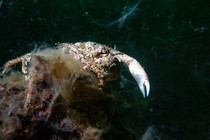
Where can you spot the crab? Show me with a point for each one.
(96, 58)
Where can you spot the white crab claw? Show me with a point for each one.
(140, 76)
(137, 72)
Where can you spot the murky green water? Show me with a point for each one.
(170, 38)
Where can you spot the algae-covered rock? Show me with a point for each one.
(56, 100)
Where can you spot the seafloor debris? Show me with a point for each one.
(58, 95)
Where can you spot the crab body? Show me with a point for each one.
(96, 58)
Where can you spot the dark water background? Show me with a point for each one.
(170, 38)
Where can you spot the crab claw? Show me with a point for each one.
(140, 76)
(137, 72)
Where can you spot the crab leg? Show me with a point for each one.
(10, 63)
(137, 72)
(24, 59)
